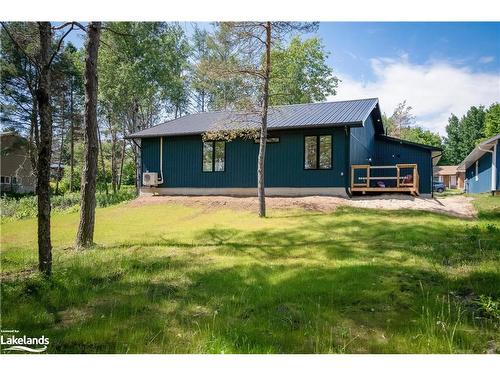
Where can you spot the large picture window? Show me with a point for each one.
(214, 156)
(318, 152)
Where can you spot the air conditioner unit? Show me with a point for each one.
(150, 179)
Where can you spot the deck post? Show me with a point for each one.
(368, 176)
(397, 176)
(352, 177)
(414, 176)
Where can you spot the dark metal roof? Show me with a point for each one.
(342, 113)
(405, 142)
(479, 151)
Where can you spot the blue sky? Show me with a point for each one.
(439, 68)
(476, 45)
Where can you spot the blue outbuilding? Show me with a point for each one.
(331, 148)
(481, 172)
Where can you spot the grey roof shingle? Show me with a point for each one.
(342, 113)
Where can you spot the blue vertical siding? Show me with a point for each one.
(182, 161)
(483, 184)
(498, 167)
(362, 143)
(392, 153)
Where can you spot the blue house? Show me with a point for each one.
(481, 172)
(332, 148)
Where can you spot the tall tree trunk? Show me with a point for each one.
(44, 151)
(114, 172)
(72, 140)
(137, 150)
(263, 131)
(102, 162)
(85, 235)
(58, 178)
(33, 139)
(122, 160)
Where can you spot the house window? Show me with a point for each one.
(5, 179)
(214, 156)
(14, 179)
(477, 170)
(318, 152)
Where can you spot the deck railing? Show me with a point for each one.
(405, 178)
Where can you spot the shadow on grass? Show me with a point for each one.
(327, 283)
(258, 308)
(340, 237)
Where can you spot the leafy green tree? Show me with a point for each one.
(401, 125)
(252, 63)
(463, 135)
(142, 70)
(222, 90)
(41, 56)
(67, 101)
(300, 73)
(492, 121)
(388, 123)
(19, 76)
(420, 135)
(453, 142)
(401, 119)
(473, 128)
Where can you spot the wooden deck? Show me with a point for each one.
(400, 178)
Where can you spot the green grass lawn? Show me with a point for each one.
(175, 279)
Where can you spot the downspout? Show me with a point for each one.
(493, 166)
(160, 180)
(348, 162)
(432, 172)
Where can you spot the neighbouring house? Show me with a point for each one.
(452, 176)
(15, 170)
(481, 172)
(332, 148)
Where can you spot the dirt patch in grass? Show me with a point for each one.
(73, 315)
(458, 206)
(10, 276)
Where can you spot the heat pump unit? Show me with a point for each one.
(150, 179)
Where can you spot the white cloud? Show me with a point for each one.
(434, 90)
(486, 59)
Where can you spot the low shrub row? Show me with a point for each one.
(20, 207)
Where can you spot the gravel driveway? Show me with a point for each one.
(459, 206)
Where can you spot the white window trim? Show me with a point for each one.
(477, 170)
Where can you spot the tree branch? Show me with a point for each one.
(62, 26)
(18, 46)
(116, 32)
(60, 43)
